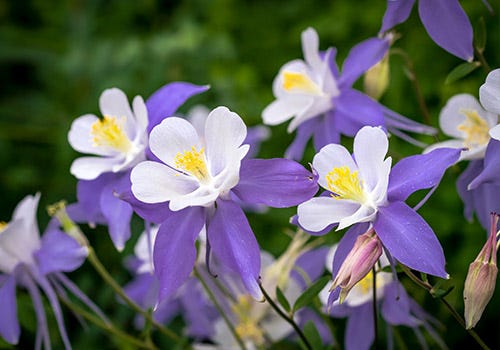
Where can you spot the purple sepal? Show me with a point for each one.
(155, 213)
(410, 239)
(448, 25)
(59, 252)
(167, 99)
(360, 320)
(304, 133)
(355, 110)
(311, 262)
(362, 57)
(491, 171)
(396, 306)
(9, 324)
(396, 12)
(143, 290)
(308, 315)
(327, 129)
(472, 171)
(233, 243)
(278, 183)
(174, 251)
(418, 172)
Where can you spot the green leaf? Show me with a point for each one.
(439, 293)
(310, 293)
(282, 299)
(461, 71)
(312, 335)
(480, 35)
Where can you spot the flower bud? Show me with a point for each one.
(377, 78)
(360, 260)
(481, 279)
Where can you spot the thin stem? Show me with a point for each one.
(286, 318)
(482, 59)
(450, 308)
(219, 308)
(375, 312)
(99, 267)
(108, 327)
(416, 85)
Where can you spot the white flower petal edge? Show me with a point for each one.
(489, 92)
(120, 137)
(317, 213)
(199, 168)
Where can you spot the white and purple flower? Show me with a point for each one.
(36, 264)
(321, 102)
(362, 189)
(192, 186)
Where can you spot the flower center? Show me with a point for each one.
(345, 184)
(247, 328)
(366, 283)
(299, 82)
(193, 162)
(475, 129)
(108, 132)
(3, 226)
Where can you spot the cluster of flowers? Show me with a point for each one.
(191, 178)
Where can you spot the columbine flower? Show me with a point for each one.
(322, 103)
(445, 21)
(194, 182)
(481, 278)
(362, 189)
(464, 119)
(119, 140)
(395, 306)
(36, 263)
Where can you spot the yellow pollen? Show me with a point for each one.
(108, 132)
(247, 327)
(299, 82)
(475, 129)
(3, 226)
(366, 283)
(345, 184)
(193, 162)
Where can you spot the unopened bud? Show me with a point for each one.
(481, 279)
(358, 263)
(376, 78)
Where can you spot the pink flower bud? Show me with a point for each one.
(360, 260)
(481, 279)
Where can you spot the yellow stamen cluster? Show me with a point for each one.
(475, 129)
(3, 226)
(366, 283)
(193, 162)
(345, 184)
(108, 132)
(247, 328)
(299, 82)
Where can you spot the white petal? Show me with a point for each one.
(26, 211)
(153, 182)
(317, 213)
(363, 214)
(172, 136)
(452, 114)
(225, 131)
(197, 116)
(113, 102)
(297, 66)
(310, 47)
(474, 153)
(317, 105)
(329, 157)
(202, 197)
(230, 175)
(89, 168)
(13, 248)
(370, 148)
(489, 92)
(80, 139)
(379, 192)
(495, 132)
(285, 108)
(141, 114)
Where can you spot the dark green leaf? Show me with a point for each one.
(310, 293)
(282, 299)
(439, 293)
(312, 335)
(461, 71)
(480, 35)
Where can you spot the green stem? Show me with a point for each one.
(99, 267)
(108, 327)
(450, 308)
(286, 318)
(482, 59)
(219, 308)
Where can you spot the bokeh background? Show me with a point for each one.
(56, 57)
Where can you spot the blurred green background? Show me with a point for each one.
(57, 57)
